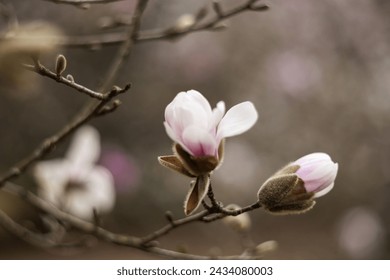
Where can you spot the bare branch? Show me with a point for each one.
(23, 233)
(42, 70)
(173, 224)
(127, 45)
(119, 239)
(48, 144)
(89, 41)
(82, 2)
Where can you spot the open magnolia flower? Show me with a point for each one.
(199, 132)
(294, 188)
(75, 184)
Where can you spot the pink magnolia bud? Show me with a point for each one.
(318, 173)
(292, 189)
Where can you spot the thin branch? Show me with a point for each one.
(173, 224)
(23, 233)
(88, 41)
(48, 144)
(42, 70)
(82, 2)
(208, 25)
(127, 45)
(91, 228)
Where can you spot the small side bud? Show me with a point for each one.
(70, 78)
(218, 9)
(239, 223)
(106, 22)
(60, 64)
(184, 23)
(220, 26)
(84, 6)
(201, 14)
(266, 247)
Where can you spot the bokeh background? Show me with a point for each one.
(318, 73)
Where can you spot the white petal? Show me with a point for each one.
(52, 177)
(218, 113)
(85, 147)
(324, 191)
(197, 97)
(237, 120)
(313, 157)
(199, 142)
(97, 193)
(171, 133)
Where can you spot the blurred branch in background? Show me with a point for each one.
(187, 23)
(84, 4)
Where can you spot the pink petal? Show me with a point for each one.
(237, 120)
(199, 142)
(324, 191)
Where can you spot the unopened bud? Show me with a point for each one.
(184, 23)
(201, 14)
(60, 64)
(220, 26)
(84, 6)
(292, 189)
(70, 78)
(266, 247)
(106, 22)
(239, 223)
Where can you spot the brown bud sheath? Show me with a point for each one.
(196, 194)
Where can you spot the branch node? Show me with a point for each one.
(218, 9)
(169, 216)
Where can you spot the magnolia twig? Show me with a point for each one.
(217, 207)
(23, 233)
(91, 228)
(82, 2)
(165, 33)
(48, 144)
(127, 45)
(173, 224)
(42, 70)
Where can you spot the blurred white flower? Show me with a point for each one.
(75, 183)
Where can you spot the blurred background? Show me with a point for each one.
(317, 71)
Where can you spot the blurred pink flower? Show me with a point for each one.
(318, 172)
(198, 129)
(361, 233)
(75, 183)
(124, 169)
